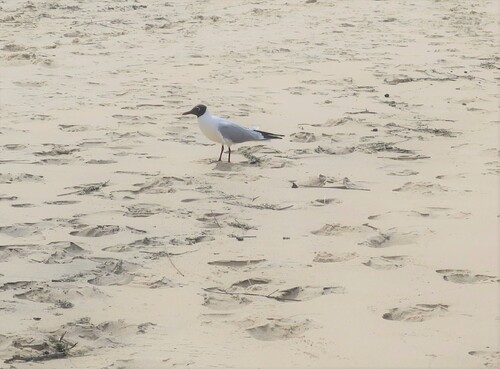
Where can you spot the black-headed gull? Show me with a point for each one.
(226, 132)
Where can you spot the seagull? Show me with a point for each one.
(225, 132)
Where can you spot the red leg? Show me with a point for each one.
(221, 151)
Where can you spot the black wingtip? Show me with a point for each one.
(270, 136)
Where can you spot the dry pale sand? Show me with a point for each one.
(119, 229)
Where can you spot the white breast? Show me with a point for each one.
(208, 125)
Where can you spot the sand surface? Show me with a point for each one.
(367, 238)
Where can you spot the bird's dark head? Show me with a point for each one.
(198, 110)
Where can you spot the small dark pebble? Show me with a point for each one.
(37, 318)
(375, 130)
(286, 238)
(239, 238)
(294, 185)
(464, 104)
(386, 95)
(465, 72)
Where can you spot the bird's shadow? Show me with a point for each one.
(228, 167)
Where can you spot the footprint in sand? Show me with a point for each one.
(396, 237)
(24, 229)
(229, 168)
(383, 147)
(424, 188)
(236, 263)
(437, 212)
(111, 279)
(95, 231)
(88, 189)
(298, 293)
(100, 161)
(113, 272)
(332, 230)
(280, 329)
(403, 173)
(262, 288)
(149, 243)
(27, 57)
(462, 276)
(303, 137)
(490, 358)
(416, 313)
(386, 262)
(395, 215)
(211, 220)
(307, 292)
(163, 283)
(225, 301)
(191, 240)
(19, 285)
(105, 334)
(57, 150)
(88, 144)
(318, 181)
(452, 177)
(89, 336)
(72, 128)
(8, 252)
(145, 210)
(24, 205)
(250, 283)
(492, 168)
(341, 121)
(14, 146)
(335, 150)
(428, 212)
(121, 248)
(326, 257)
(65, 253)
(34, 346)
(157, 185)
(8, 178)
(326, 201)
(62, 202)
(56, 293)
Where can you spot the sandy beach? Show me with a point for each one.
(366, 238)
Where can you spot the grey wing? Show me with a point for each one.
(237, 134)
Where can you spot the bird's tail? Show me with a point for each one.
(270, 136)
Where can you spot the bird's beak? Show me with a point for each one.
(188, 112)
